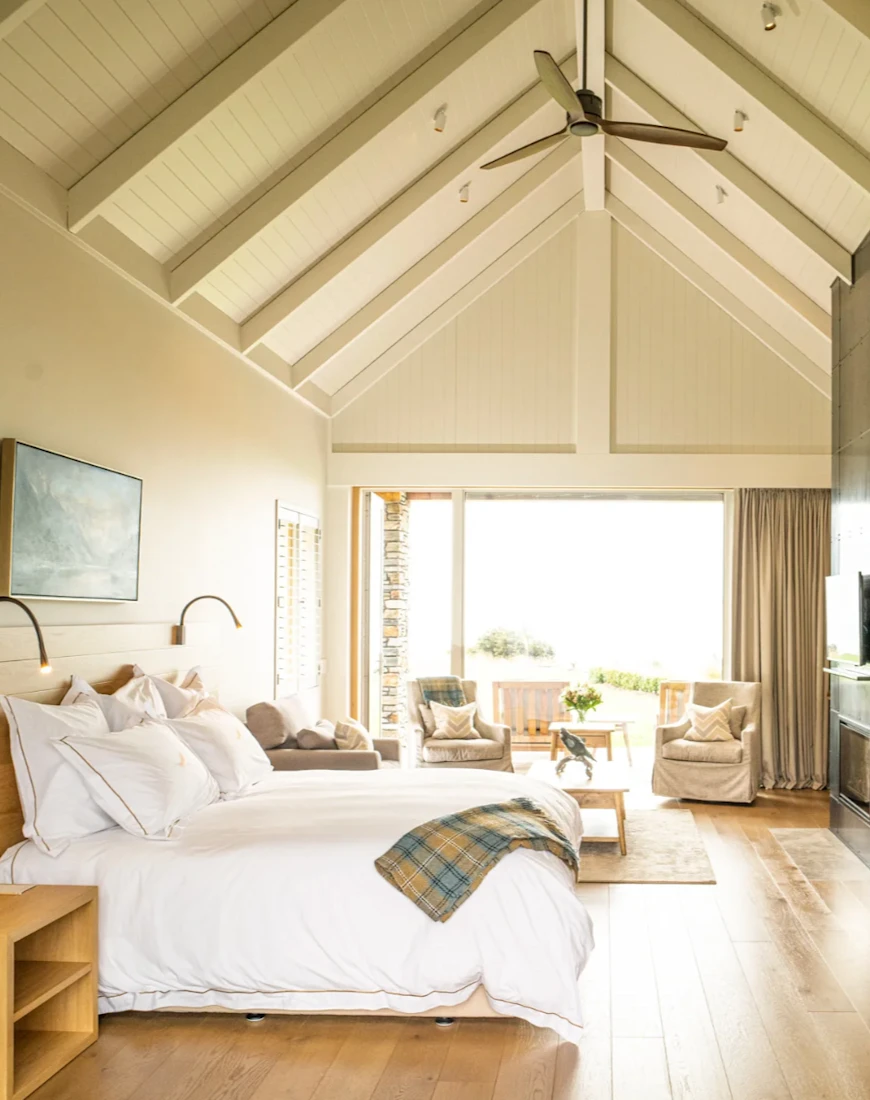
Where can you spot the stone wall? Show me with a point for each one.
(394, 710)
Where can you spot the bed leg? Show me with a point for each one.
(255, 1017)
(444, 1021)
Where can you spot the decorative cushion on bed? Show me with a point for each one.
(145, 778)
(707, 752)
(352, 735)
(437, 751)
(118, 714)
(454, 723)
(138, 695)
(180, 691)
(709, 723)
(57, 805)
(227, 748)
(319, 736)
(276, 722)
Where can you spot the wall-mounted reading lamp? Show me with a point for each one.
(44, 663)
(179, 630)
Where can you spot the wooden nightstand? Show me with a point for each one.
(48, 983)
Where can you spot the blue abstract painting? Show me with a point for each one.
(75, 529)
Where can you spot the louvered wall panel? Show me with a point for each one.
(688, 378)
(499, 376)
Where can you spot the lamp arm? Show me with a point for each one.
(44, 663)
(179, 630)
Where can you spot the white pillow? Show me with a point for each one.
(227, 748)
(57, 805)
(145, 778)
(180, 692)
(350, 734)
(709, 723)
(454, 723)
(119, 714)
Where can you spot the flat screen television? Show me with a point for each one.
(847, 598)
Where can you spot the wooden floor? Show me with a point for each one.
(757, 988)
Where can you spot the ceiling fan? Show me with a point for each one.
(584, 119)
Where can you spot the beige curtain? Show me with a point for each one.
(782, 542)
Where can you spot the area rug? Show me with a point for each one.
(663, 846)
(820, 855)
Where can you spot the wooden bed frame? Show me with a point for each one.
(104, 656)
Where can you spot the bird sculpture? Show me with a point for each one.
(578, 750)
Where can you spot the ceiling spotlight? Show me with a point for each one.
(440, 118)
(769, 12)
(721, 194)
(464, 192)
(739, 118)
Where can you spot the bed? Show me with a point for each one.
(271, 903)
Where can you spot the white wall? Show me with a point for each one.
(687, 378)
(493, 378)
(93, 367)
(506, 374)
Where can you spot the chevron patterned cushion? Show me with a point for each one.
(709, 723)
(454, 723)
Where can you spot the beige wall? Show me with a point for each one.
(93, 367)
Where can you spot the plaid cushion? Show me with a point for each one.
(440, 864)
(442, 689)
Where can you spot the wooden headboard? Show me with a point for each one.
(102, 655)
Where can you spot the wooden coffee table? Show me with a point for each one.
(597, 735)
(604, 790)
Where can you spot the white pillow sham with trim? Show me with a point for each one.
(227, 748)
(57, 804)
(145, 778)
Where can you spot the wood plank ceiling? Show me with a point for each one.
(275, 170)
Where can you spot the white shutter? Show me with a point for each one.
(298, 602)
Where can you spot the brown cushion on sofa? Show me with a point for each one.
(320, 737)
(276, 722)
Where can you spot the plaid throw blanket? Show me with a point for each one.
(440, 864)
(442, 689)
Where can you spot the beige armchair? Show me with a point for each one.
(712, 771)
(492, 750)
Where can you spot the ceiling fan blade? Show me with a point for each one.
(662, 135)
(527, 150)
(556, 83)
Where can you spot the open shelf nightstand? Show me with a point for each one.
(48, 996)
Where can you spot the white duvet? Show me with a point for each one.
(272, 901)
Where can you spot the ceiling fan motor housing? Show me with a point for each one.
(590, 102)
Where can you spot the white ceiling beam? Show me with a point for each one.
(854, 12)
(698, 277)
(593, 147)
(454, 49)
(734, 171)
(764, 89)
(442, 315)
(14, 12)
(455, 164)
(280, 369)
(418, 274)
(724, 239)
(191, 108)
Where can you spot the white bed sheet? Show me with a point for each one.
(272, 901)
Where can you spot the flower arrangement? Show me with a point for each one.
(581, 698)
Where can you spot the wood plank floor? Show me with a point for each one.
(757, 988)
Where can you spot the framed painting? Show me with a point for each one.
(69, 530)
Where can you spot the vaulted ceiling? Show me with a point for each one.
(276, 171)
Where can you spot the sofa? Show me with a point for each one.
(277, 725)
